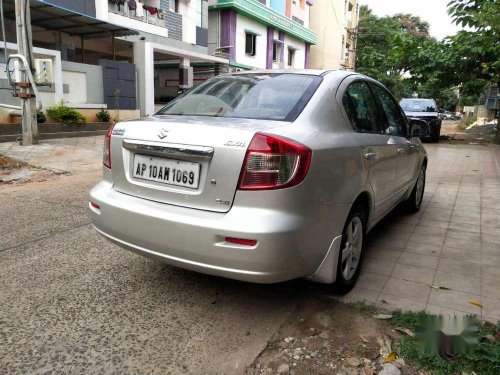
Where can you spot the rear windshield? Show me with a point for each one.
(254, 96)
(418, 105)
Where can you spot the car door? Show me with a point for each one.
(396, 126)
(379, 153)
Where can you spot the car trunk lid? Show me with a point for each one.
(190, 161)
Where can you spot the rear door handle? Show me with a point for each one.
(370, 156)
(400, 150)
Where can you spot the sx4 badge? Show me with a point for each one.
(118, 131)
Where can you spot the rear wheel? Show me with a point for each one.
(435, 137)
(351, 250)
(414, 202)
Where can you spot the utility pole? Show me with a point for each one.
(25, 48)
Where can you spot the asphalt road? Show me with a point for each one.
(71, 302)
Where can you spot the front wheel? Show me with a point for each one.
(351, 251)
(435, 137)
(414, 202)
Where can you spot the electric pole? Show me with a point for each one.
(25, 48)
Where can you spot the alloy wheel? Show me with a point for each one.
(420, 188)
(351, 253)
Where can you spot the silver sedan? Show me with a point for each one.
(262, 176)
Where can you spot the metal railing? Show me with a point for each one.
(146, 17)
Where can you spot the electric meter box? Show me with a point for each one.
(44, 73)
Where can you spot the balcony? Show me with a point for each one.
(142, 18)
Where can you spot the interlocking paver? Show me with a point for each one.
(415, 291)
(454, 241)
(413, 273)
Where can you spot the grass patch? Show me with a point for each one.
(362, 306)
(483, 357)
(8, 163)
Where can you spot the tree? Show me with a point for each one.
(373, 47)
(412, 25)
(380, 55)
(479, 50)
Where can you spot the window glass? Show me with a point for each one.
(418, 105)
(395, 123)
(250, 40)
(361, 108)
(275, 51)
(173, 6)
(199, 12)
(291, 53)
(254, 96)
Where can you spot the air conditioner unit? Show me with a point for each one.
(44, 72)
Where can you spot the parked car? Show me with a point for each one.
(447, 115)
(262, 176)
(424, 109)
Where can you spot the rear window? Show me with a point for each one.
(418, 105)
(253, 96)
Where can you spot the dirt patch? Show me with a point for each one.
(455, 132)
(327, 337)
(9, 164)
(14, 172)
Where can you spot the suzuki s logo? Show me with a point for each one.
(163, 133)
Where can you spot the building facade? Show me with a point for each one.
(335, 22)
(266, 34)
(113, 53)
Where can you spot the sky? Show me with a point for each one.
(432, 11)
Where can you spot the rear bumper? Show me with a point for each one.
(195, 239)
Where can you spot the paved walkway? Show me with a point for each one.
(440, 260)
(70, 155)
(447, 255)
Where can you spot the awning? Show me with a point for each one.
(50, 17)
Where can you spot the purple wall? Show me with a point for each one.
(269, 53)
(281, 37)
(228, 31)
(308, 56)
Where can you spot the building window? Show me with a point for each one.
(199, 13)
(291, 55)
(174, 6)
(250, 43)
(276, 51)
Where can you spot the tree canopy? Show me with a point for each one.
(399, 52)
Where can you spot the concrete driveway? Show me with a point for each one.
(71, 301)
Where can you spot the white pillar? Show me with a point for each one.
(144, 63)
(58, 81)
(185, 73)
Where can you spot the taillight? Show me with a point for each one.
(241, 241)
(273, 162)
(106, 154)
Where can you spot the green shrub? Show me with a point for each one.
(66, 115)
(40, 117)
(470, 120)
(103, 116)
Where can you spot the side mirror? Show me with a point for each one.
(418, 128)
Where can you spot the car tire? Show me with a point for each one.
(351, 252)
(414, 201)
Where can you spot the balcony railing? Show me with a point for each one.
(141, 14)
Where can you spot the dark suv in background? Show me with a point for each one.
(424, 109)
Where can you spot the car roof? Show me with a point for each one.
(417, 99)
(313, 72)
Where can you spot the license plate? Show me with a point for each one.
(167, 171)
